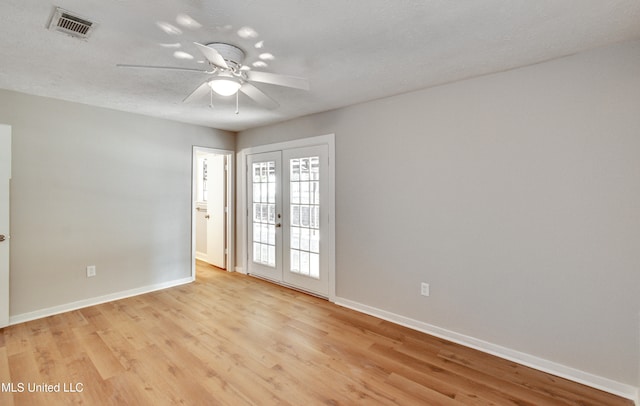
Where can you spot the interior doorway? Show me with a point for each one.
(212, 208)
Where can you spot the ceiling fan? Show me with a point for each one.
(227, 76)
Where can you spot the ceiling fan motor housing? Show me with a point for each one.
(233, 55)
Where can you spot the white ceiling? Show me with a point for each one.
(350, 50)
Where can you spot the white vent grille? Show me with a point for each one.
(67, 23)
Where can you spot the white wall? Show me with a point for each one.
(515, 195)
(93, 186)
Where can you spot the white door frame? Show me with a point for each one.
(242, 220)
(5, 176)
(230, 233)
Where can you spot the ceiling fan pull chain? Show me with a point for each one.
(237, 103)
(211, 98)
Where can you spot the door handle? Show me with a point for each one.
(278, 225)
(207, 216)
(2, 237)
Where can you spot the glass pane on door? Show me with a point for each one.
(264, 213)
(304, 224)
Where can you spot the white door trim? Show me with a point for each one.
(243, 208)
(5, 176)
(230, 205)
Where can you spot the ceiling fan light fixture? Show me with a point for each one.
(225, 86)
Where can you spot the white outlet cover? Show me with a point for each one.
(91, 271)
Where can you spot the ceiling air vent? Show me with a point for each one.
(67, 23)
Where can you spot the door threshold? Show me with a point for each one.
(285, 285)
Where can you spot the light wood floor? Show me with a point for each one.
(230, 339)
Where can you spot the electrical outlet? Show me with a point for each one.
(91, 271)
(424, 289)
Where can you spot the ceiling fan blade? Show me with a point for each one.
(280, 80)
(212, 56)
(258, 96)
(199, 92)
(120, 65)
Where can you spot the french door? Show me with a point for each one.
(288, 217)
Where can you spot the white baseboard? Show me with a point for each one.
(240, 269)
(202, 256)
(50, 311)
(563, 371)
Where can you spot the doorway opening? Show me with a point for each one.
(212, 206)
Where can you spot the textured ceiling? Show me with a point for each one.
(351, 51)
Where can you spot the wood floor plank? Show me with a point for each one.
(61, 329)
(428, 395)
(341, 375)
(6, 396)
(461, 383)
(120, 347)
(16, 339)
(230, 339)
(95, 390)
(537, 381)
(100, 355)
(119, 314)
(25, 371)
